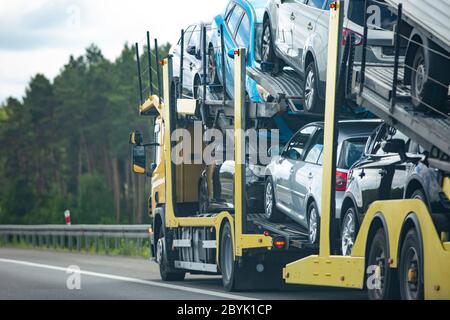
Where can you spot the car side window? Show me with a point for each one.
(316, 148)
(243, 34)
(235, 18)
(316, 3)
(193, 41)
(188, 35)
(297, 145)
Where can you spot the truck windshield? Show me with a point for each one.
(379, 16)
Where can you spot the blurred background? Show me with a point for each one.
(68, 101)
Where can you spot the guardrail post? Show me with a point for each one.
(87, 243)
(106, 241)
(79, 243)
(96, 244)
(33, 240)
(70, 242)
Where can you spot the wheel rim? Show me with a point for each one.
(380, 263)
(266, 44)
(269, 200)
(211, 66)
(348, 234)
(313, 225)
(419, 78)
(411, 276)
(309, 90)
(159, 251)
(228, 258)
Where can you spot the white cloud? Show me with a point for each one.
(39, 35)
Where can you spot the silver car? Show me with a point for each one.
(293, 185)
(192, 59)
(295, 33)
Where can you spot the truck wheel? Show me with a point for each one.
(424, 91)
(313, 224)
(232, 276)
(411, 268)
(349, 231)
(167, 272)
(384, 278)
(313, 103)
(271, 212)
(268, 49)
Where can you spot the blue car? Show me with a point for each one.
(242, 23)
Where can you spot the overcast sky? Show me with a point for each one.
(38, 36)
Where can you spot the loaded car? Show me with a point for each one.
(242, 24)
(294, 178)
(295, 32)
(392, 167)
(192, 59)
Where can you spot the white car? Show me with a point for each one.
(296, 33)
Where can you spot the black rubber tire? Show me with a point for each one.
(317, 104)
(276, 215)
(411, 265)
(168, 273)
(378, 256)
(203, 198)
(419, 194)
(232, 276)
(350, 212)
(316, 239)
(213, 77)
(430, 93)
(195, 90)
(271, 55)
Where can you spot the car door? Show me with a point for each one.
(285, 27)
(304, 17)
(307, 177)
(291, 155)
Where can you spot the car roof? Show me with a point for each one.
(353, 128)
(258, 7)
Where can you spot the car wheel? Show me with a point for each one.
(167, 272)
(203, 197)
(197, 88)
(381, 283)
(313, 103)
(411, 270)
(348, 232)
(271, 212)
(268, 49)
(424, 91)
(212, 66)
(313, 224)
(419, 194)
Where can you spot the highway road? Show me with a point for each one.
(36, 274)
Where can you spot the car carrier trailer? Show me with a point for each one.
(399, 245)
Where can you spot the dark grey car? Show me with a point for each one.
(294, 178)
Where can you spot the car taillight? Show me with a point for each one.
(359, 38)
(279, 243)
(341, 181)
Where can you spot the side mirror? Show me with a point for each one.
(230, 53)
(293, 154)
(191, 50)
(136, 138)
(139, 159)
(394, 146)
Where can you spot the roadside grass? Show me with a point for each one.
(110, 247)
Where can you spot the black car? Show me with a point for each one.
(392, 167)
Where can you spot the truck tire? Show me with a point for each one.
(424, 91)
(385, 286)
(411, 268)
(234, 278)
(166, 270)
(270, 208)
(313, 103)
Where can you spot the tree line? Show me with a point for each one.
(64, 146)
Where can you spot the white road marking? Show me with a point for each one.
(132, 280)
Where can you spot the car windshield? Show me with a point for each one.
(379, 16)
(352, 150)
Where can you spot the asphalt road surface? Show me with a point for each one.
(35, 274)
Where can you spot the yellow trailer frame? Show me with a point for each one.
(350, 272)
(241, 241)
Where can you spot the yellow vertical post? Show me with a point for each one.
(239, 141)
(330, 130)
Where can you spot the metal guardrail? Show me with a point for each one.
(76, 237)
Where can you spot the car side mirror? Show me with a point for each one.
(293, 154)
(230, 53)
(139, 159)
(394, 146)
(191, 50)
